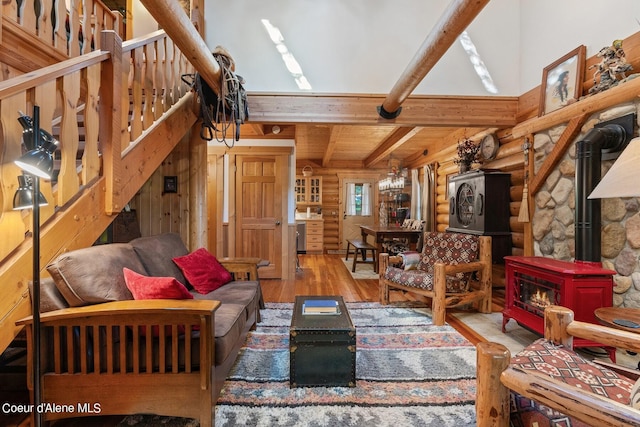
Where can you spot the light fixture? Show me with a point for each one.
(23, 198)
(620, 181)
(275, 129)
(39, 163)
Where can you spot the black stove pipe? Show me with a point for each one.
(588, 175)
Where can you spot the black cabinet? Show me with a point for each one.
(479, 204)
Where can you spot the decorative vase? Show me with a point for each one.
(464, 167)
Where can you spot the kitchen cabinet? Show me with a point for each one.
(308, 190)
(315, 236)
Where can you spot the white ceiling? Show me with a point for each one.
(363, 46)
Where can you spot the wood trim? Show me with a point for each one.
(463, 111)
(550, 162)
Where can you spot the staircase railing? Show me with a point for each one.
(71, 32)
(129, 105)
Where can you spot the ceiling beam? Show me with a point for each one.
(175, 22)
(333, 141)
(395, 140)
(452, 23)
(455, 111)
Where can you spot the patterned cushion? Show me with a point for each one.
(450, 248)
(422, 280)
(571, 368)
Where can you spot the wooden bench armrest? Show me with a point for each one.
(588, 407)
(245, 268)
(560, 327)
(158, 307)
(468, 267)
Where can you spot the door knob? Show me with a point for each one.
(277, 222)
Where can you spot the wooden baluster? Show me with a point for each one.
(68, 183)
(150, 96)
(136, 93)
(90, 156)
(158, 79)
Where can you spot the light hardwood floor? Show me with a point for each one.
(327, 275)
(318, 275)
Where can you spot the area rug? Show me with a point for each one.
(363, 271)
(408, 372)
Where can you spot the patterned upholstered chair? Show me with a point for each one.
(548, 384)
(444, 273)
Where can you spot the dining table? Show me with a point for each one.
(380, 234)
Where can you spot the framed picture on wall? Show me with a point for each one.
(562, 81)
(170, 184)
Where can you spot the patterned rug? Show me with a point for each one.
(408, 372)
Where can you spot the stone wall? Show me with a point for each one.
(553, 222)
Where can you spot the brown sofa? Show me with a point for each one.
(98, 347)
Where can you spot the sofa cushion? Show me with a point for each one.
(50, 297)
(246, 293)
(157, 253)
(94, 275)
(229, 323)
(153, 287)
(203, 271)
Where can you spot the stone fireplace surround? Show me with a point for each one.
(553, 222)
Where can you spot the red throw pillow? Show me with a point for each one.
(144, 287)
(203, 271)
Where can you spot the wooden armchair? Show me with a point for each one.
(586, 391)
(444, 273)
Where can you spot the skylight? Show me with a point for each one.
(476, 61)
(289, 60)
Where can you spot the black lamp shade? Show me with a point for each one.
(38, 162)
(23, 198)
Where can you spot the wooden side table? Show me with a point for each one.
(624, 318)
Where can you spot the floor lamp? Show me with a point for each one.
(37, 163)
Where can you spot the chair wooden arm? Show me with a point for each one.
(451, 269)
(562, 328)
(583, 405)
(496, 377)
(157, 307)
(245, 268)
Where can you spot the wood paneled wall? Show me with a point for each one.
(159, 212)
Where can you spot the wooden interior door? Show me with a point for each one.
(259, 205)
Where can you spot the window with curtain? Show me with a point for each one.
(359, 199)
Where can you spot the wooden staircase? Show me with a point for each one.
(118, 112)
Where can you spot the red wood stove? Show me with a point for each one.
(532, 283)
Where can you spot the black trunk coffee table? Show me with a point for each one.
(322, 346)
